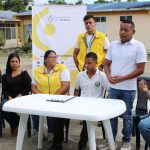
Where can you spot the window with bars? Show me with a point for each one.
(125, 18)
(101, 23)
(100, 19)
(10, 30)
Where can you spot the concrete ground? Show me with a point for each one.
(8, 143)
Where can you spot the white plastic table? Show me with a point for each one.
(81, 108)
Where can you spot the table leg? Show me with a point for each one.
(109, 134)
(21, 131)
(40, 136)
(91, 135)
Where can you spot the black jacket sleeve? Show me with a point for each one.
(26, 83)
(4, 87)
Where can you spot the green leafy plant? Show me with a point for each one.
(2, 38)
(27, 47)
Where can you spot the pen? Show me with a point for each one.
(61, 101)
(70, 98)
(52, 100)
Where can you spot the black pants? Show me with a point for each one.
(10, 117)
(59, 130)
(83, 137)
(1, 120)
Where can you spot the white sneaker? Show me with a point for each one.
(104, 146)
(34, 133)
(125, 146)
(50, 137)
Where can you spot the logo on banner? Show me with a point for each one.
(53, 18)
(50, 18)
(53, 27)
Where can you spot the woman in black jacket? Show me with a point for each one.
(15, 83)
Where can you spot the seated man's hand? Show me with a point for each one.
(143, 86)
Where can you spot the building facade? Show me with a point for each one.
(11, 28)
(108, 17)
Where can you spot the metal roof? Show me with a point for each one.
(7, 15)
(122, 6)
(117, 6)
(25, 13)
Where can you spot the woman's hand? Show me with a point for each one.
(9, 97)
(19, 95)
(34, 89)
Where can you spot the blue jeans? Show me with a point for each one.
(50, 123)
(128, 97)
(144, 127)
(35, 120)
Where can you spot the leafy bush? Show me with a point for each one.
(2, 38)
(27, 47)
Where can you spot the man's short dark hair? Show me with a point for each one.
(86, 17)
(129, 22)
(91, 55)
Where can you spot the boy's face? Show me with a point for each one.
(90, 63)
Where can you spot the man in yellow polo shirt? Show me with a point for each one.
(90, 41)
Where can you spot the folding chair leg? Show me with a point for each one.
(137, 134)
(67, 122)
(103, 131)
(133, 128)
(29, 126)
(1, 121)
(0, 128)
(146, 147)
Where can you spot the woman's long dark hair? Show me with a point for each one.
(8, 67)
(47, 54)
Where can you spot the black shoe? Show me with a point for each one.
(81, 147)
(56, 147)
(81, 122)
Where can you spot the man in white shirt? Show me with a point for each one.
(125, 61)
(90, 41)
(92, 83)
